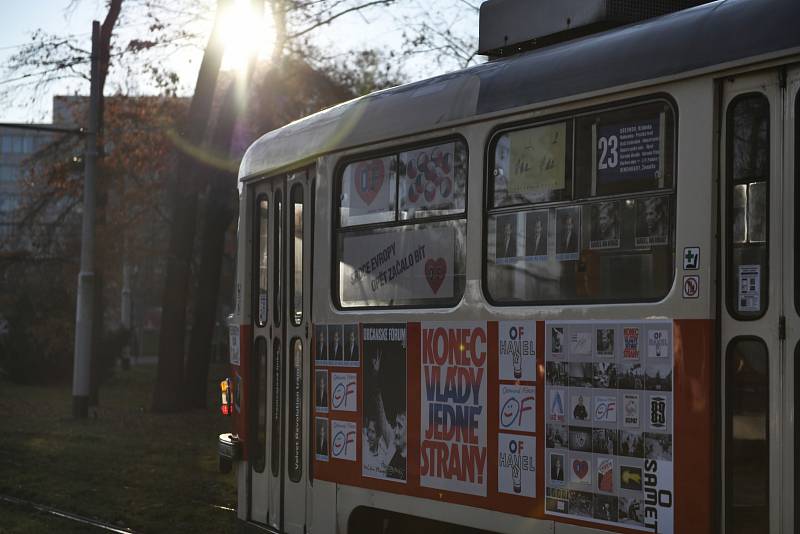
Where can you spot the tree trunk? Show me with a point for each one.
(167, 396)
(98, 330)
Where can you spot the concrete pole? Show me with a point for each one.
(85, 306)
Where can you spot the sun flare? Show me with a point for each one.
(245, 33)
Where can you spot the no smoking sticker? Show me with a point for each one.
(691, 286)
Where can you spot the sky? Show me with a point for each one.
(378, 28)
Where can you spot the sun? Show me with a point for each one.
(245, 33)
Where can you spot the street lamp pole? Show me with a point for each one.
(86, 286)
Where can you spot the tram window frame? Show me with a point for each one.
(277, 226)
(296, 285)
(262, 197)
(797, 213)
(580, 196)
(398, 223)
(731, 278)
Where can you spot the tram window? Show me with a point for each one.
(297, 254)
(263, 259)
(748, 205)
(405, 260)
(532, 165)
(433, 180)
(797, 212)
(747, 436)
(409, 265)
(259, 396)
(611, 236)
(278, 226)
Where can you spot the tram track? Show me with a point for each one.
(83, 520)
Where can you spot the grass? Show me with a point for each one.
(127, 466)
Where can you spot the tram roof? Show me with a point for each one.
(712, 34)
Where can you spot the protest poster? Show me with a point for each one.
(537, 161)
(394, 265)
(516, 465)
(453, 429)
(343, 440)
(384, 440)
(517, 350)
(368, 191)
(432, 179)
(344, 392)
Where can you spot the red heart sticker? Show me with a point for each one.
(580, 468)
(435, 271)
(368, 178)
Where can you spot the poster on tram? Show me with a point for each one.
(453, 419)
(609, 423)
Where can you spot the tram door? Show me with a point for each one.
(281, 290)
(757, 306)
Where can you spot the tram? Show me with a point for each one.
(555, 292)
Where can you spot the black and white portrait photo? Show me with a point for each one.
(351, 343)
(568, 223)
(506, 237)
(321, 438)
(321, 389)
(557, 341)
(321, 343)
(605, 226)
(536, 234)
(605, 342)
(652, 222)
(335, 343)
(557, 467)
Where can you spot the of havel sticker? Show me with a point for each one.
(517, 408)
(453, 430)
(516, 465)
(517, 350)
(343, 440)
(344, 392)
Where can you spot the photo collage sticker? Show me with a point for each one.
(337, 356)
(608, 428)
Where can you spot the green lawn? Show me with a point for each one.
(150, 473)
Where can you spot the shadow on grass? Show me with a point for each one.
(131, 468)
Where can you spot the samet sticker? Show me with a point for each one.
(343, 442)
(630, 410)
(518, 408)
(517, 350)
(556, 412)
(605, 409)
(630, 336)
(658, 344)
(516, 465)
(605, 474)
(343, 392)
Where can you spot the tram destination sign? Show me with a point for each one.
(629, 151)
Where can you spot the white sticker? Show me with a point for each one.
(516, 465)
(344, 392)
(691, 258)
(518, 408)
(749, 288)
(517, 350)
(343, 444)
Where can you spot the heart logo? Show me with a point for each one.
(435, 271)
(369, 177)
(580, 468)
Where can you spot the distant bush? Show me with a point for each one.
(39, 307)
